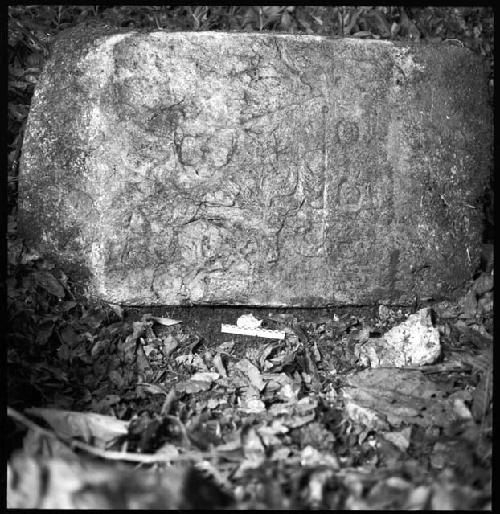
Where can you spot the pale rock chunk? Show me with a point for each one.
(414, 342)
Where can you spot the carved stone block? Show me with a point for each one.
(257, 169)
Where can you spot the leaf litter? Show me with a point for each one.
(127, 408)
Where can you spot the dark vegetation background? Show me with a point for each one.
(31, 29)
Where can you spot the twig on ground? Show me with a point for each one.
(107, 454)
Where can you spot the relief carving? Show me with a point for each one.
(347, 131)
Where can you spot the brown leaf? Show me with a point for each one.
(286, 21)
(67, 306)
(193, 386)
(142, 361)
(252, 373)
(252, 446)
(353, 20)
(271, 12)
(87, 425)
(44, 331)
(381, 23)
(70, 337)
(166, 322)
(47, 281)
(482, 396)
(362, 33)
(170, 343)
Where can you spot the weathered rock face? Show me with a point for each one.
(264, 169)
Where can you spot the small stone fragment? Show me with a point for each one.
(384, 312)
(483, 284)
(248, 321)
(401, 438)
(418, 498)
(469, 305)
(412, 343)
(446, 310)
(460, 409)
(485, 305)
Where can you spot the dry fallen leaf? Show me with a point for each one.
(96, 428)
(47, 281)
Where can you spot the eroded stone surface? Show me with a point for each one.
(264, 169)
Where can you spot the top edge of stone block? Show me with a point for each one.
(82, 37)
(82, 32)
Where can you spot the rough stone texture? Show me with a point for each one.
(264, 169)
(414, 342)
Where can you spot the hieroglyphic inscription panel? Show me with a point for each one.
(258, 169)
